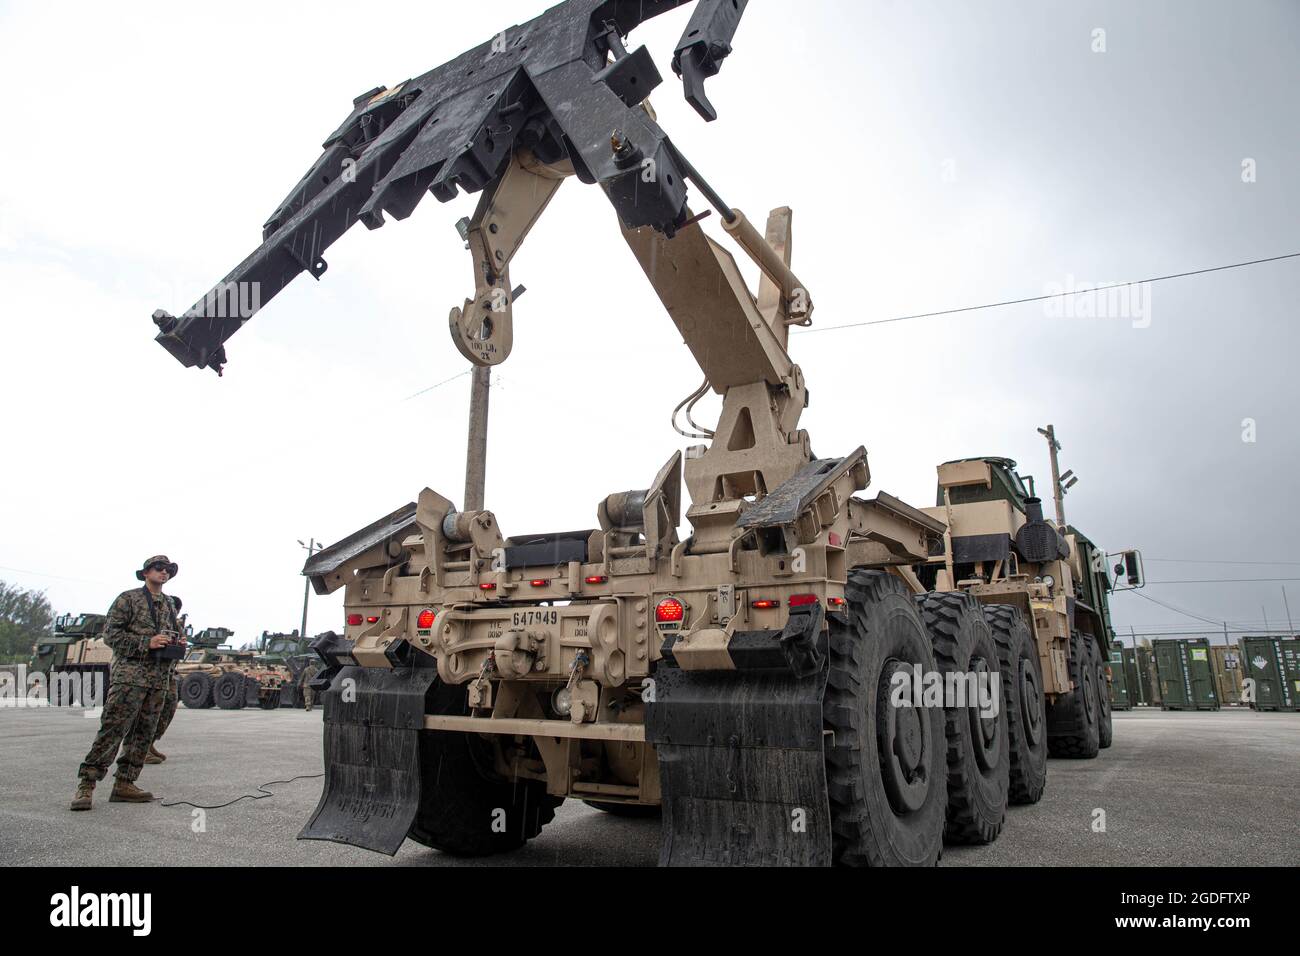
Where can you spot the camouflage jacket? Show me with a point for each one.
(129, 628)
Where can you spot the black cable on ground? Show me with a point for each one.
(262, 795)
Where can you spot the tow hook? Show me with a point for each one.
(799, 640)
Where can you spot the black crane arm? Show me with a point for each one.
(560, 86)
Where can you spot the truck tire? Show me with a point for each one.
(1072, 719)
(228, 691)
(465, 810)
(978, 750)
(1105, 731)
(269, 701)
(631, 810)
(1022, 683)
(884, 763)
(196, 691)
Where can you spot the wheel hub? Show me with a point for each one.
(984, 729)
(1031, 702)
(901, 742)
(1089, 703)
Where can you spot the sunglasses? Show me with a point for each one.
(158, 567)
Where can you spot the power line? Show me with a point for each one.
(1180, 626)
(996, 305)
(1220, 630)
(1226, 581)
(1044, 298)
(1206, 561)
(447, 381)
(1179, 610)
(57, 577)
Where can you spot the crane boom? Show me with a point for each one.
(561, 87)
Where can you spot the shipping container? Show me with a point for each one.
(1227, 671)
(1148, 682)
(1121, 697)
(1186, 674)
(1138, 695)
(1272, 665)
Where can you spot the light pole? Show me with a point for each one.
(312, 547)
(1061, 483)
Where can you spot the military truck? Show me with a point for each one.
(1045, 587)
(291, 652)
(229, 679)
(61, 647)
(74, 659)
(753, 677)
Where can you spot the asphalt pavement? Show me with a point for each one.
(1176, 789)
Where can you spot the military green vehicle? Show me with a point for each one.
(292, 652)
(752, 677)
(60, 647)
(74, 659)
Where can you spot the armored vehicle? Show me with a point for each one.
(292, 653)
(74, 659)
(229, 679)
(64, 647)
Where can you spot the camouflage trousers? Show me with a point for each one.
(129, 720)
(169, 708)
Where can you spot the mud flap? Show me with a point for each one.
(373, 721)
(741, 763)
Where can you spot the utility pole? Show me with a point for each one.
(1287, 604)
(1058, 489)
(476, 454)
(312, 547)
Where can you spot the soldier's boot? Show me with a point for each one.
(125, 791)
(153, 756)
(85, 791)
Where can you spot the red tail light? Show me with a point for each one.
(354, 619)
(372, 620)
(802, 600)
(670, 611)
(425, 620)
(486, 586)
(597, 579)
(835, 602)
(766, 604)
(539, 582)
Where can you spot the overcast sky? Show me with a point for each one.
(936, 154)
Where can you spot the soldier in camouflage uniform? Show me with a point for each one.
(164, 720)
(138, 625)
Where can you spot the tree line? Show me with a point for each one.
(25, 618)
